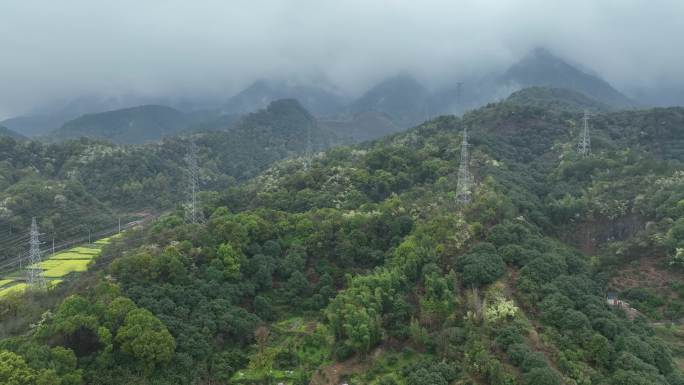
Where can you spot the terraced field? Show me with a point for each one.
(18, 287)
(58, 266)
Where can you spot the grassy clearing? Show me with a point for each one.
(86, 250)
(21, 286)
(104, 241)
(295, 346)
(47, 264)
(382, 363)
(253, 377)
(12, 289)
(60, 268)
(70, 255)
(74, 260)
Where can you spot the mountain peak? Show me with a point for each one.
(546, 64)
(542, 52)
(556, 99)
(281, 112)
(289, 105)
(540, 67)
(320, 99)
(402, 81)
(401, 96)
(137, 124)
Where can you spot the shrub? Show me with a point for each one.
(481, 266)
(542, 376)
(533, 360)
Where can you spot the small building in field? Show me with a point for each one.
(612, 299)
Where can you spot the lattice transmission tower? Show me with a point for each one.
(193, 213)
(463, 185)
(34, 278)
(584, 144)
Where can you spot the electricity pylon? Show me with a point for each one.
(584, 144)
(463, 185)
(193, 213)
(34, 277)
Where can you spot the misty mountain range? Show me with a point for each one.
(395, 103)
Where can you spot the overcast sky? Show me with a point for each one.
(55, 50)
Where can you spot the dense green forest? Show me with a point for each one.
(88, 184)
(362, 269)
(557, 99)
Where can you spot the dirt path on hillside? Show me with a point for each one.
(648, 272)
(533, 338)
(332, 374)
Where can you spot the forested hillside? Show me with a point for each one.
(540, 67)
(130, 125)
(4, 131)
(400, 97)
(84, 184)
(362, 269)
(558, 99)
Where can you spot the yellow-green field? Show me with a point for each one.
(12, 289)
(57, 266)
(104, 241)
(60, 268)
(21, 286)
(70, 255)
(85, 250)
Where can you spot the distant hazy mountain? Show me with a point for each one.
(542, 68)
(35, 125)
(280, 115)
(361, 126)
(557, 99)
(407, 102)
(401, 97)
(47, 119)
(211, 121)
(472, 93)
(260, 138)
(317, 100)
(129, 125)
(4, 131)
(660, 95)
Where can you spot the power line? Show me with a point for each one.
(66, 228)
(64, 225)
(8, 265)
(463, 185)
(15, 242)
(8, 238)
